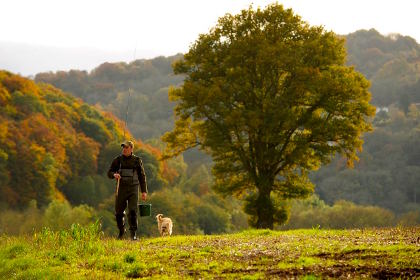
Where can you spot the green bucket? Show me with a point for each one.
(145, 209)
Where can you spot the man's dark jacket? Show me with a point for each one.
(123, 165)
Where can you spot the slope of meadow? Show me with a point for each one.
(257, 254)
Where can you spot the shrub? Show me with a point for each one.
(343, 214)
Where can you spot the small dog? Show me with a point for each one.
(164, 225)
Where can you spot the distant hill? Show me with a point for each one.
(391, 63)
(141, 87)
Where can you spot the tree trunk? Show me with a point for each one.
(265, 208)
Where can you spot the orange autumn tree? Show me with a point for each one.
(54, 146)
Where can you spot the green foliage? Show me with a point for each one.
(28, 103)
(343, 214)
(92, 231)
(21, 222)
(192, 214)
(411, 218)
(4, 176)
(60, 215)
(269, 98)
(391, 63)
(152, 169)
(95, 130)
(389, 169)
(211, 219)
(72, 242)
(33, 175)
(80, 190)
(180, 207)
(199, 182)
(129, 258)
(56, 216)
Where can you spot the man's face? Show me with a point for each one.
(127, 150)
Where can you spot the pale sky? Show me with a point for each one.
(144, 29)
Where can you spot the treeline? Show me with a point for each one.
(195, 212)
(315, 213)
(209, 215)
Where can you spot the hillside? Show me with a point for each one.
(388, 171)
(391, 63)
(263, 254)
(56, 147)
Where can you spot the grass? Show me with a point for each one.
(84, 253)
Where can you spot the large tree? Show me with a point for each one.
(270, 99)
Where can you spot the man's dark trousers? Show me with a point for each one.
(127, 196)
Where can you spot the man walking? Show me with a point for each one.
(128, 169)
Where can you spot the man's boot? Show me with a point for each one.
(133, 235)
(120, 225)
(133, 225)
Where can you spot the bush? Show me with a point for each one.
(411, 218)
(60, 215)
(343, 214)
(57, 216)
(212, 219)
(21, 222)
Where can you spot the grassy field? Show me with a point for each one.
(80, 253)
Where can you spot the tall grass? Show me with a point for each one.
(78, 239)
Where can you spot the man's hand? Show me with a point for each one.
(144, 196)
(117, 176)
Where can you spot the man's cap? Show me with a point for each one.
(127, 143)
